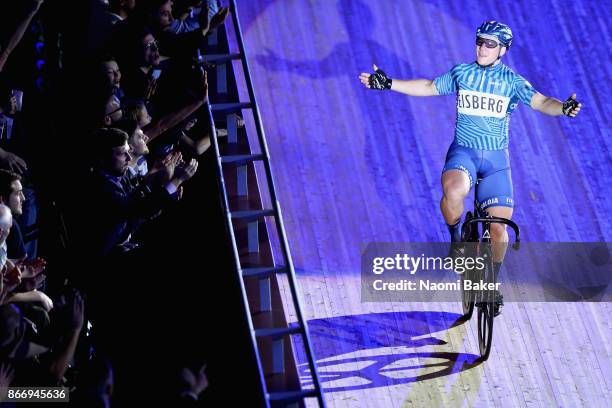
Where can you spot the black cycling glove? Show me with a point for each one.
(379, 80)
(569, 106)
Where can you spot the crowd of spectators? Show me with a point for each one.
(102, 122)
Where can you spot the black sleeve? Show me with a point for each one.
(142, 202)
(14, 242)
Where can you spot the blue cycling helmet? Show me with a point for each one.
(502, 32)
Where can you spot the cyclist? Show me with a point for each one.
(487, 93)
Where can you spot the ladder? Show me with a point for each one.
(254, 219)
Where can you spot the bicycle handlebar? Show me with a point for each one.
(510, 223)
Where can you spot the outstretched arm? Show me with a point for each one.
(554, 107)
(412, 87)
(415, 87)
(158, 127)
(18, 34)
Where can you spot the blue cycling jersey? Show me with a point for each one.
(486, 97)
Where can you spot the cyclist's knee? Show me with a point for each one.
(454, 197)
(499, 233)
(456, 185)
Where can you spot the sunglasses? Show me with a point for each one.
(119, 108)
(153, 46)
(487, 42)
(114, 111)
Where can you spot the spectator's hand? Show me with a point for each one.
(29, 284)
(190, 124)
(184, 172)
(7, 374)
(13, 162)
(195, 380)
(12, 277)
(158, 164)
(169, 165)
(203, 20)
(219, 18)
(162, 170)
(179, 193)
(77, 312)
(30, 268)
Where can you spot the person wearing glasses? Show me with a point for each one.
(488, 91)
(140, 61)
(113, 112)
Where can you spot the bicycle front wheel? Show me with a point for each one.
(485, 328)
(486, 312)
(467, 296)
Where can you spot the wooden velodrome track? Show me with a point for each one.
(354, 166)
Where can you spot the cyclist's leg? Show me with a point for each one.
(455, 185)
(458, 178)
(496, 195)
(499, 238)
(499, 234)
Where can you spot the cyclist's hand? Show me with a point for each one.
(571, 107)
(378, 80)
